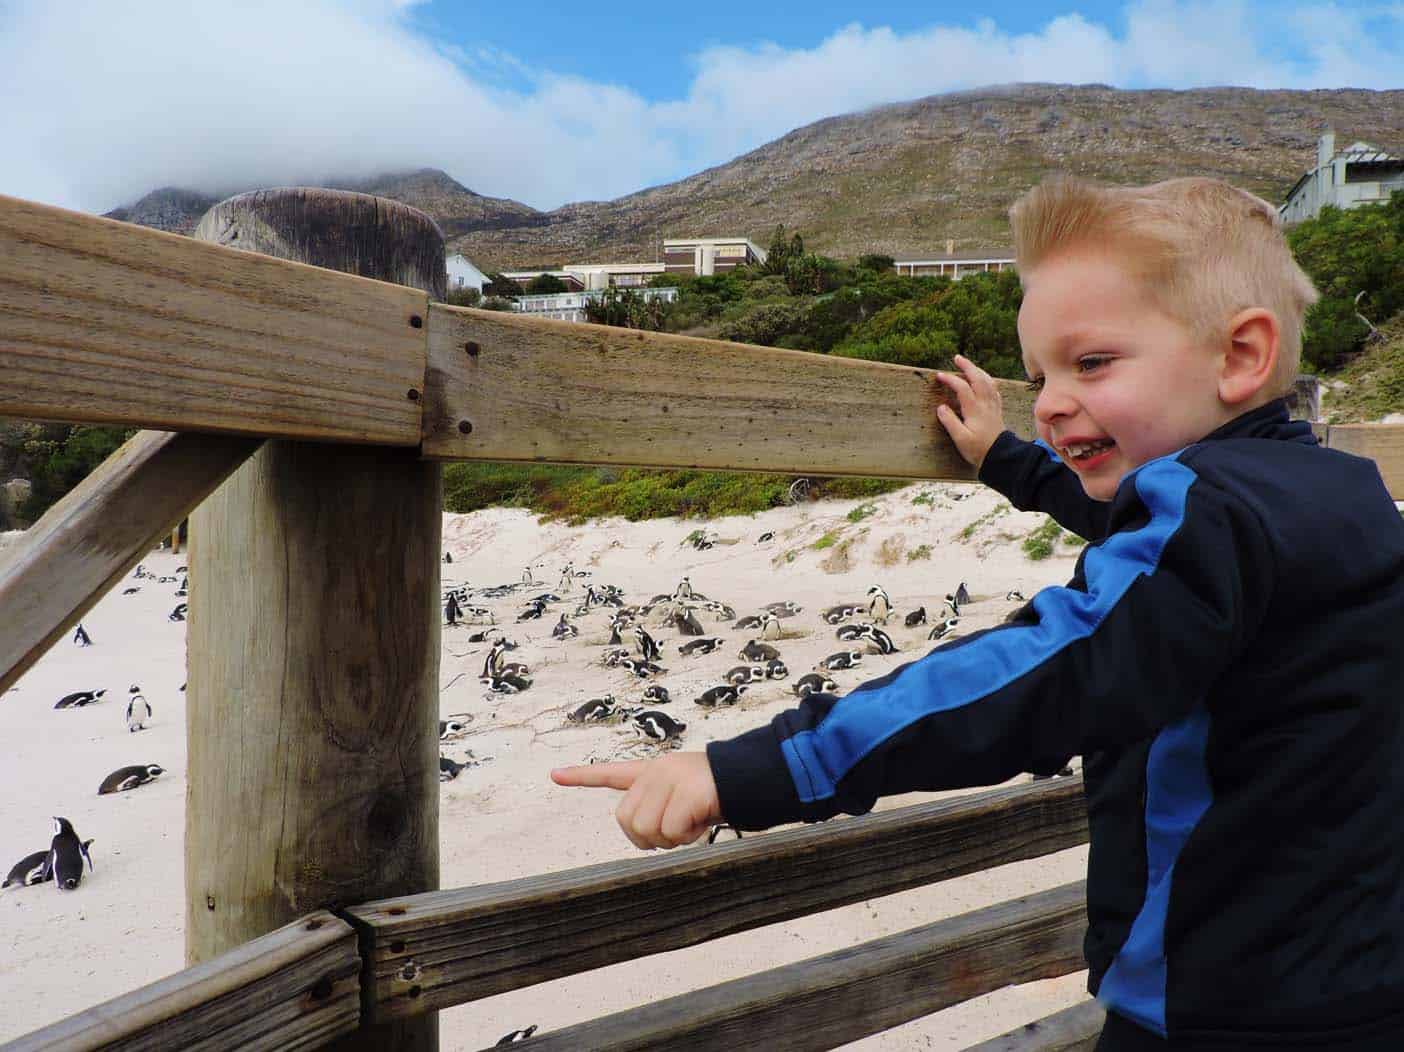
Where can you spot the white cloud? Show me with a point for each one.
(102, 102)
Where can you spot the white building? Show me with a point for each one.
(462, 274)
(1359, 174)
(953, 264)
(570, 306)
(705, 256)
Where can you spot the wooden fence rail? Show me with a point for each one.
(430, 951)
(295, 988)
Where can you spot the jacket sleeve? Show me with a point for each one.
(1132, 645)
(1034, 478)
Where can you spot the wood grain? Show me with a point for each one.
(1382, 443)
(830, 1000)
(107, 322)
(87, 542)
(1074, 1029)
(445, 948)
(533, 389)
(294, 988)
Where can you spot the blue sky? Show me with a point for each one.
(552, 103)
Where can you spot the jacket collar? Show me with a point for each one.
(1267, 421)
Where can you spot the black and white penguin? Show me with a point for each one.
(140, 571)
(787, 608)
(484, 635)
(683, 590)
(757, 651)
(564, 629)
(768, 535)
(837, 614)
(1015, 596)
(879, 639)
(131, 591)
(962, 596)
(750, 621)
(79, 698)
(648, 647)
(879, 605)
(138, 710)
(178, 614)
(30, 870)
(184, 588)
(124, 778)
(698, 647)
(726, 694)
(493, 660)
(533, 610)
(813, 683)
(452, 610)
(641, 668)
(942, 627)
(615, 639)
(848, 633)
(916, 617)
(770, 627)
(516, 1035)
(66, 854)
(687, 623)
(81, 637)
(657, 694)
(449, 769)
(775, 669)
(722, 610)
(658, 726)
(448, 558)
(593, 711)
(745, 674)
(450, 729)
(843, 659)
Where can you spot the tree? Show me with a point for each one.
(873, 261)
(626, 309)
(466, 296)
(500, 286)
(782, 249)
(544, 284)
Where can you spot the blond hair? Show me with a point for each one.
(1205, 250)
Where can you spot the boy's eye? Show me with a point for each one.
(1036, 384)
(1091, 361)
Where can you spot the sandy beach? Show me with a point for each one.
(503, 818)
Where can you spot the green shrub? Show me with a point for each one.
(861, 512)
(921, 551)
(63, 456)
(1039, 544)
(826, 541)
(545, 285)
(765, 323)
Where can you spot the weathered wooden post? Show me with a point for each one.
(313, 637)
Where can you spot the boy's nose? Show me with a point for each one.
(1051, 404)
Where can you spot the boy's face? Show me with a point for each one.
(1116, 374)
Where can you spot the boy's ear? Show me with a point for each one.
(1251, 355)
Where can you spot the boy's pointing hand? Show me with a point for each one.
(667, 802)
(981, 417)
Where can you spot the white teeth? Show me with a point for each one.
(1083, 449)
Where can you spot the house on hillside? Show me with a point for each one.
(956, 265)
(1359, 174)
(570, 306)
(706, 256)
(462, 274)
(572, 281)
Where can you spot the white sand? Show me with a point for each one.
(504, 819)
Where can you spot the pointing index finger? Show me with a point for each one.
(600, 775)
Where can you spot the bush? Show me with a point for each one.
(467, 296)
(546, 284)
(873, 261)
(499, 286)
(63, 456)
(766, 323)
(498, 303)
(1039, 544)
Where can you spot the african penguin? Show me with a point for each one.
(516, 1035)
(131, 591)
(787, 608)
(79, 698)
(723, 831)
(848, 633)
(178, 614)
(749, 621)
(66, 854)
(30, 870)
(593, 711)
(745, 674)
(757, 651)
(813, 683)
(836, 614)
(878, 604)
(508, 683)
(1015, 596)
(648, 648)
(124, 778)
(656, 693)
(942, 627)
(449, 769)
(451, 729)
(775, 669)
(879, 639)
(700, 646)
(768, 535)
(138, 710)
(448, 558)
(770, 627)
(961, 596)
(916, 617)
(726, 694)
(452, 611)
(683, 590)
(658, 726)
(687, 623)
(564, 629)
(81, 637)
(843, 659)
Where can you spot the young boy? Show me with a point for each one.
(1228, 658)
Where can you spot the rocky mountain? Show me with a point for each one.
(904, 178)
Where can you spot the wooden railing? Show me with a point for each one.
(223, 350)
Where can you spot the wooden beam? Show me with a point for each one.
(106, 322)
(87, 542)
(1382, 443)
(294, 988)
(509, 388)
(826, 1001)
(1074, 1029)
(431, 951)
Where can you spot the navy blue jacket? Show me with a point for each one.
(1228, 659)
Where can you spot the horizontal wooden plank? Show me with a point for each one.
(839, 997)
(294, 988)
(87, 542)
(427, 952)
(108, 322)
(1074, 1029)
(1382, 443)
(511, 388)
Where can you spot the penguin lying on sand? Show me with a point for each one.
(30, 870)
(745, 674)
(775, 669)
(942, 627)
(757, 651)
(596, 710)
(516, 1035)
(814, 683)
(726, 694)
(843, 659)
(700, 646)
(79, 698)
(658, 726)
(124, 778)
(916, 617)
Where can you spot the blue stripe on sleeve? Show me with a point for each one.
(951, 677)
(1177, 795)
(1049, 450)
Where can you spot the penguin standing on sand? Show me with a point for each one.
(452, 611)
(447, 558)
(66, 855)
(81, 637)
(770, 627)
(647, 646)
(684, 589)
(879, 605)
(125, 778)
(138, 710)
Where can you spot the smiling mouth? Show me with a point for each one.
(1085, 451)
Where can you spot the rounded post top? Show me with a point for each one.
(374, 237)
